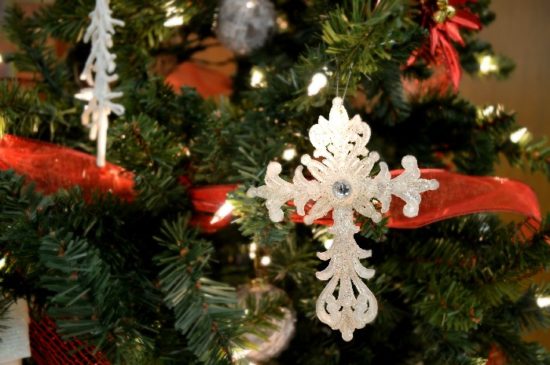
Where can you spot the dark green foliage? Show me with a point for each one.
(138, 281)
(205, 310)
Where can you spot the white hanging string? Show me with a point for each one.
(101, 64)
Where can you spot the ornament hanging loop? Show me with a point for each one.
(347, 81)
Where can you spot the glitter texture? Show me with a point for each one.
(341, 167)
(101, 63)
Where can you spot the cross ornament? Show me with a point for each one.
(341, 167)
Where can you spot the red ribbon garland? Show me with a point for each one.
(52, 167)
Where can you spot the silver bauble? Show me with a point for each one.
(279, 338)
(245, 25)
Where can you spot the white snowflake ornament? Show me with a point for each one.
(101, 63)
(342, 184)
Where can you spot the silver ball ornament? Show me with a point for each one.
(245, 25)
(279, 338)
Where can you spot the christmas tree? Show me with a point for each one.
(185, 241)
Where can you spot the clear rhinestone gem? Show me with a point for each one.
(341, 189)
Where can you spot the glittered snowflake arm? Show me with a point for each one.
(101, 64)
(341, 169)
(278, 192)
(408, 186)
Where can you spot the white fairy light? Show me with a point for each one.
(488, 111)
(250, 4)
(1, 59)
(518, 135)
(265, 261)
(289, 154)
(240, 353)
(173, 15)
(318, 81)
(282, 23)
(174, 21)
(341, 167)
(222, 212)
(252, 248)
(328, 243)
(2, 263)
(98, 72)
(257, 78)
(487, 64)
(85, 94)
(543, 302)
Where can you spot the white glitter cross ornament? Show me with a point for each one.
(342, 183)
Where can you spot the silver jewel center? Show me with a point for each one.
(341, 189)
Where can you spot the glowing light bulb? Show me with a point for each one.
(328, 243)
(488, 111)
(543, 302)
(257, 78)
(318, 81)
(253, 247)
(85, 94)
(2, 263)
(487, 64)
(174, 21)
(1, 59)
(250, 4)
(289, 154)
(222, 212)
(174, 16)
(265, 261)
(282, 23)
(518, 135)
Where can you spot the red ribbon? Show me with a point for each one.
(52, 167)
(457, 195)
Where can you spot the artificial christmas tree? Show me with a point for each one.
(139, 261)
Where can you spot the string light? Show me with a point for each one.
(543, 302)
(240, 353)
(289, 154)
(1, 59)
(265, 261)
(222, 212)
(252, 250)
(257, 77)
(328, 243)
(318, 81)
(175, 18)
(488, 111)
(250, 4)
(487, 64)
(2, 263)
(518, 135)
(282, 23)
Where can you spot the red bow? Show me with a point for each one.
(444, 23)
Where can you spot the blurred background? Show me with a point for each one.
(521, 32)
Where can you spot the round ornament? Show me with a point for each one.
(250, 297)
(245, 25)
